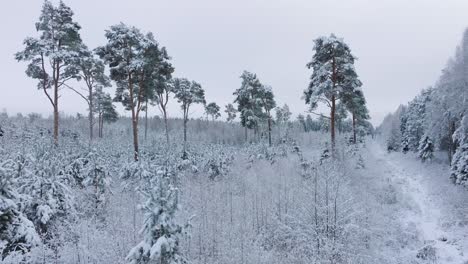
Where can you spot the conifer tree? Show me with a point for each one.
(134, 60)
(17, 233)
(356, 105)
(212, 109)
(267, 102)
(161, 233)
(52, 56)
(104, 108)
(248, 101)
(231, 113)
(188, 93)
(426, 149)
(333, 76)
(91, 71)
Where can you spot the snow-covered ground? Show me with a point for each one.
(421, 216)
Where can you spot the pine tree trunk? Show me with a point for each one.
(166, 126)
(245, 133)
(332, 123)
(56, 111)
(91, 115)
(269, 130)
(354, 128)
(333, 108)
(185, 137)
(146, 118)
(134, 119)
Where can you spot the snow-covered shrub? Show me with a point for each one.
(426, 149)
(17, 233)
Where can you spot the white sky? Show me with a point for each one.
(402, 45)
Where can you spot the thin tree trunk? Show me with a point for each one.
(134, 119)
(91, 115)
(185, 137)
(146, 118)
(333, 108)
(245, 133)
(269, 130)
(56, 111)
(354, 128)
(332, 123)
(166, 126)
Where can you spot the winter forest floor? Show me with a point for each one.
(422, 213)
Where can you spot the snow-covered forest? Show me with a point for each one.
(247, 182)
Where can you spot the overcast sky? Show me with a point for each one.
(401, 45)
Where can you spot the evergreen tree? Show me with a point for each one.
(104, 108)
(91, 71)
(161, 233)
(301, 120)
(459, 170)
(231, 113)
(164, 88)
(267, 102)
(212, 109)
(333, 76)
(52, 56)
(414, 120)
(356, 105)
(134, 60)
(187, 93)
(426, 149)
(17, 233)
(248, 102)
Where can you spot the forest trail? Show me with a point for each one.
(437, 221)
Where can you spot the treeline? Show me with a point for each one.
(141, 71)
(436, 119)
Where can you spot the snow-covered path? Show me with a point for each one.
(423, 203)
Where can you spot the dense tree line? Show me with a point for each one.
(436, 118)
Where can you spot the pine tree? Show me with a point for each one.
(104, 108)
(247, 101)
(333, 76)
(356, 105)
(212, 109)
(17, 233)
(52, 56)
(96, 175)
(426, 149)
(459, 170)
(188, 93)
(231, 113)
(267, 102)
(164, 88)
(414, 118)
(161, 233)
(91, 71)
(134, 60)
